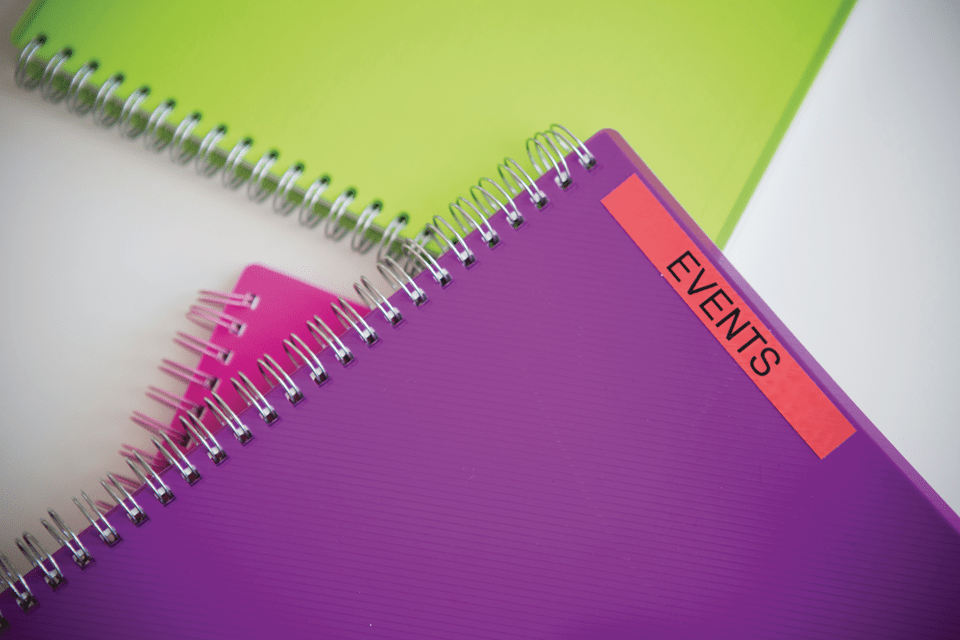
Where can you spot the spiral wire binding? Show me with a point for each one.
(267, 364)
(155, 427)
(207, 317)
(81, 97)
(202, 435)
(294, 345)
(60, 532)
(545, 154)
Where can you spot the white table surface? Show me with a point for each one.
(103, 247)
(849, 236)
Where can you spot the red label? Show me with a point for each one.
(729, 319)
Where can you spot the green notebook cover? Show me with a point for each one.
(410, 101)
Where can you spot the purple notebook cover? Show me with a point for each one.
(601, 469)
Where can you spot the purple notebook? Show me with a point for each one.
(611, 466)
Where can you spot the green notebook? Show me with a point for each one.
(401, 100)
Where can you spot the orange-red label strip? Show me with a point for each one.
(771, 367)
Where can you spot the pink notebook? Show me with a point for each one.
(248, 328)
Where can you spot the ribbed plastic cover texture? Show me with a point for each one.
(599, 469)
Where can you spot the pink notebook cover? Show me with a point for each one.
(273, 306)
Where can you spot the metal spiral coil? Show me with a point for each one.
(15, 582)
(372, 297)
(82, 97)
(148, 477)
(456, 244)
(188, 375)
(30, 547)
(252, 395)
(189, 472)
(203, 347)
(327, 338)
(468, 217)
(123, 498)
(155, 428)
(177, 403)
(421, 255)
(294, 345)
(207, 317)
(267, 364)
(228, 418)
(60, 532)
(107, 533)
(228, 298)
(348, 316)
(201, 434)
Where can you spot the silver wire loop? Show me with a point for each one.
(122, 497)
(256, 190)
(48, 85)
(107, 533)
(201, 434)
(207, 317)
(82, 96)
(228, 418)
(38, 557)
(10, 576)
(282, 203)
(149, 477)
(205, 166)
(487, 232)
(421, 255)
(74, 98)
(177, 459)
(349, 317)
(514, 217)
(179, 151)
(333, 229)
(203, 347)
(295, 345)
(129, 111)
(359, 242)
(325, 337)
(308, 213)
(228, 298)
(152, 133)
(167, 399)
(390, 234)
(253, 397)
(155, 428)
(65, 537)
(188, 375)
(267, 364)
(399, 279)
(510, 167)
(100, 111)
(231, 179)
(544, 154)
(563, 135)
(457, 245)
(26, 57)
(371, 297)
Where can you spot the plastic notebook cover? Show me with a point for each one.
(466, 477)
(411, 98)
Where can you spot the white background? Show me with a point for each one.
(852, 234)
(850, 238)
(103, 247)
